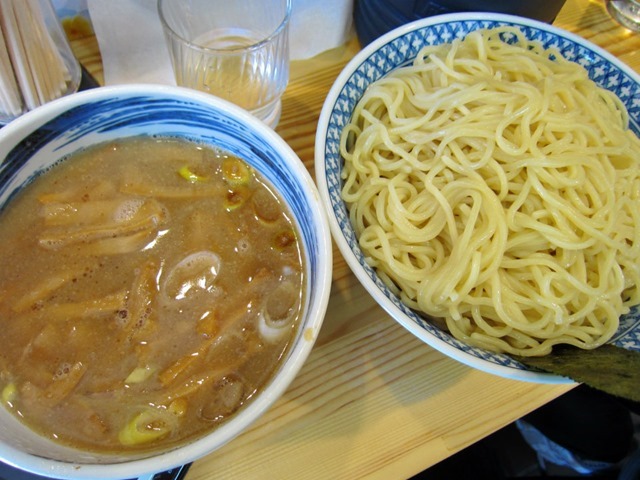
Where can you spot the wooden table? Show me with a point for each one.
(372, 401)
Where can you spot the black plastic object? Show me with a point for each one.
(374, 18)
(87, 80)
(11, 473)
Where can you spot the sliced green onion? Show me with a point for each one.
(9, 393)
(235, 172)
(147, 426)
(139, 375)
(188, 175)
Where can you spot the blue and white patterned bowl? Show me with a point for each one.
(39, 138)
(399, 48)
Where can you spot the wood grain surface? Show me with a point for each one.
(372, 401)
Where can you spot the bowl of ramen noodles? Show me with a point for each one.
(166, 270)
(481, 175)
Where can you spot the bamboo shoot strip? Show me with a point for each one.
(64, 383)
(119, 245)
(164, 191)
(140, 300)
(146, 219)
(99, 190)
(107, 305)
(90, 212)
(183, 365)
(41, 291)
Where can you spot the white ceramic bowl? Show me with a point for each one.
(398, 48)
(39, 138)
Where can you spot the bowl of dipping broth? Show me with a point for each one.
(478, 171)
(166, 271)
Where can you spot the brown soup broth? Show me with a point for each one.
(150, 287)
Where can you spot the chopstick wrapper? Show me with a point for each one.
(133, 46)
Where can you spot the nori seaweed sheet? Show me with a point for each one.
(608, 368)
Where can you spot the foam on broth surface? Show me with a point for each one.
(150, 288)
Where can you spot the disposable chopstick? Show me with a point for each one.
(59, 74)
(18, 54)
(38, 66)
(10, 97)
(33, 59)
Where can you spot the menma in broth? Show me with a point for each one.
(149, 289)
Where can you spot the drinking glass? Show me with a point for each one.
(625, 12)
(235, 49)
